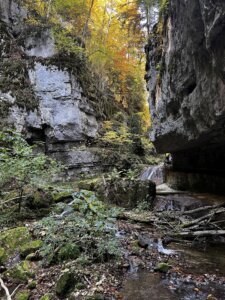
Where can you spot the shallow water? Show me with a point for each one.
(155, 286)
(202, 262)
(146, 286)
(208, 260)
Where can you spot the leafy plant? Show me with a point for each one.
(20, 168)
(86, 224)
(143, 206)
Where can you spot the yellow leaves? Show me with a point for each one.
(112, 37)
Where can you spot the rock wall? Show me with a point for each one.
(41, 97)
(186, 82)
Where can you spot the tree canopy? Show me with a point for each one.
(112, 36)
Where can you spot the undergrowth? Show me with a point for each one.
(84, 230)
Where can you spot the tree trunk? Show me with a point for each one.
(85, 29)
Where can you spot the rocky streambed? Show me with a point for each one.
(171, 268)
(39, 261)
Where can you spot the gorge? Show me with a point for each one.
(185, 77)
(101, 199)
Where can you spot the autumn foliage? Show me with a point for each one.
(112, 36)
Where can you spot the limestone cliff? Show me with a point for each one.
(41, 93)
(186, 82)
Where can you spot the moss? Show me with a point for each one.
(22, 295)
(45, 297)
(2, 255)
(15, 79)
(59, 208)
(11, 239)
(32, 285)
(65, 283)
(30, 247)
(4, 107)
(102, 100)
(21, 272)
(40, 199)
(90, 184)
(80, 286)
(31, 257)
(163, 267)
(69, 251)
(135, 247)
(61, 196)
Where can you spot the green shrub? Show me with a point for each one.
(86, 228)
(20, 168)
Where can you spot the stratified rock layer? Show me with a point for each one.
(40, 94)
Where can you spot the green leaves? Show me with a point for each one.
(20, 168)
(89, 224)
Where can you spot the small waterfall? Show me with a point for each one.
(163, 250)
(154, 173)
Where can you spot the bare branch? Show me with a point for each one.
(8, 297)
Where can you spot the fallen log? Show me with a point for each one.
(205, 217)
(146, 218)
(202, 209)
(12, 199)
(201, 233)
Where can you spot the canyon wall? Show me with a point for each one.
(41, 94)
(186, 82)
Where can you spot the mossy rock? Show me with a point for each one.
(32, 257)
(128, 194)
(14, 79)
(65, 283)
(22, 295)
(90, 184)
(21, 272)
(30, 247)
(69, 251)
(40, 199)
(2, 255)
(163, 267)
(11, 239)
(32, 284)
(61, 196)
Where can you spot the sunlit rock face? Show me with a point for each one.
(58, 113)
(186, 82)
(60, 97)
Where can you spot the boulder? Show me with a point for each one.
(128, 193)
(30, 247)
(21, 272)
(65, 283)
(11, 240)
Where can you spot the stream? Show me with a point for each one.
(197, 277)
(198, 269)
